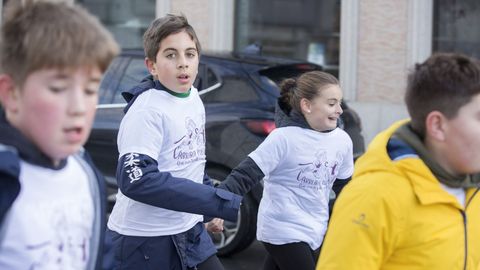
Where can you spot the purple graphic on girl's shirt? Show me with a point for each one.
(320, 173)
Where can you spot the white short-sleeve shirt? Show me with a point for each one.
(300, 166)
(50, 223)
(170, 130)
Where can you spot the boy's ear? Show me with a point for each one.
(8, 93)
(151, 67)
(435, 125)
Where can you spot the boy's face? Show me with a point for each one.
(176, 63)
(462, 139)
(55, 109)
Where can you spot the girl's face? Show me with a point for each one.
(323, 111)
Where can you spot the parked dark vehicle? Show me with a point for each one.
(239, 93)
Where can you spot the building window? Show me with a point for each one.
(454, 27)
(302, 29)
(127, 20)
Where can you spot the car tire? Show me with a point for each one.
(236, 236)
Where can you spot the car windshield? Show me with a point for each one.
(271, 77)
(281, 72)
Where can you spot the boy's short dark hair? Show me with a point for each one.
(444, 82)
(45, 34)
(161, 28)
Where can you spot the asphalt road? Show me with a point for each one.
(249, 259)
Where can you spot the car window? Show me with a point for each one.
(281, 72)
(206, 78)
(107, 86)
(212, 79)
(134, 73)
(233, 89)
(268, 83)
(200, 82)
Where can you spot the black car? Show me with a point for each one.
(239, 92)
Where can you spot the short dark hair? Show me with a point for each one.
(161, 28)
(444, 82)
(307, 85)
(45, 34)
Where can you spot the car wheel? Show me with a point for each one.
(236, 236)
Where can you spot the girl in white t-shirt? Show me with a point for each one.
(299, 161)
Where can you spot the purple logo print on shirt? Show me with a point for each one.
(191, 146)
(67, 245)
(320, 173)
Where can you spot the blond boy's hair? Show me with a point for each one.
(52, 34)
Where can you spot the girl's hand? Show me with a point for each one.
(215, 225)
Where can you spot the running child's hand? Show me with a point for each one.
(215, 225)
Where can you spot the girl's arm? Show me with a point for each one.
(243, 178)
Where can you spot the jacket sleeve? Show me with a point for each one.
(104, 248)
(9, 183)
(364, 228)
(207, 180)
(138, 178)
(100, 179)
(339, 184)
(243, 178)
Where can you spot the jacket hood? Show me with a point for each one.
(387, 154)
(407, 135)
(284, 116)
(376, 158)
(390, 155)
(147, 83)
(29, 152)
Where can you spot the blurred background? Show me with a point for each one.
(369, 44)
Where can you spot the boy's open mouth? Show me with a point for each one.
(183, 78)
(74, 134)
(332, 118)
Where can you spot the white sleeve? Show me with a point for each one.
(270, 152)
(141, 132)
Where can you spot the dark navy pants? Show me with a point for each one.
(186, 250)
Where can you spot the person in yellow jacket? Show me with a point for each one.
(414, 200)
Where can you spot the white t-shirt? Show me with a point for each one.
(50, 223)
(300, 166)
(458, 193)
(170, 130)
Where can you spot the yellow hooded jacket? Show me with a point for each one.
(396, 215)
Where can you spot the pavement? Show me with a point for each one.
(249, 259)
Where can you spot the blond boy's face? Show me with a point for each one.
(55, 109)
(462, 139)
(176, 63)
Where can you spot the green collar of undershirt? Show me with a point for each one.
(180, 95)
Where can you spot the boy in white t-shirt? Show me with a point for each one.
(52, 201)
(299, 161)
(157, 220)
